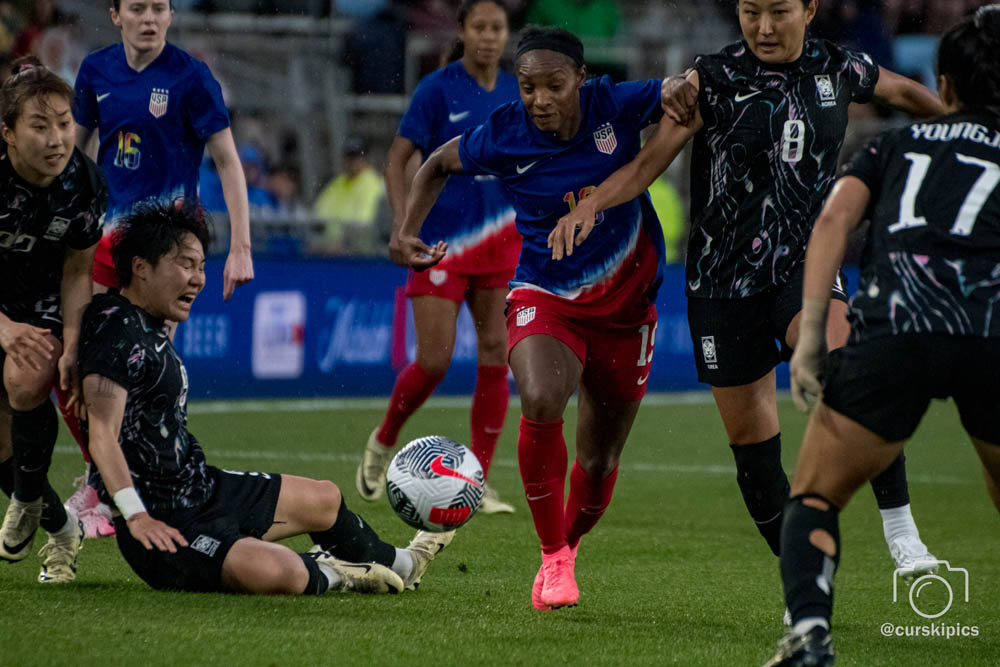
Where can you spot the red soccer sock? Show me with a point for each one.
(72, 421)
(412, 388)
(587, 502)
(541, 455)
(489, 408)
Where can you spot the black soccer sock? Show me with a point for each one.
(318, 583)
(807, 571)
(53, 512)
(33, 434)
(352, 539)
(764, 486)
(890, 487)
(7, 477)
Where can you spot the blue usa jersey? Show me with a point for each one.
(473, 214)
(152, 125)
(546, 177)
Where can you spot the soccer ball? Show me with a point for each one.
(435, 483)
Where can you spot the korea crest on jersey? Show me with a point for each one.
(825, 90)
(604, 137)
(158, 101)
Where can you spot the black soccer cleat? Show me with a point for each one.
(814, 648)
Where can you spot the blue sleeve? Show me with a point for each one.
(640, 101)
(863, 72)
(85, 110)
(478, 151)
(422, 118)
(204, 107)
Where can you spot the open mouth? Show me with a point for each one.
(187, 299)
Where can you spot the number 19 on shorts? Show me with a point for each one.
(793, 141)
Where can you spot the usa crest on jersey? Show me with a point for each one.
(158, 101)
(604, 137)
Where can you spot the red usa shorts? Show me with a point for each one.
(104, 267)
(453, 285)
(616, 359)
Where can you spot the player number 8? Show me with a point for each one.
(793, 140)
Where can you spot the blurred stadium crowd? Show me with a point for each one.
(316, 87)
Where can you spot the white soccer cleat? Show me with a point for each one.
(423, 548)
(370, 478)
(492, 503)
(18, 531)
(912, 558)
(357, 577)
(60, 552)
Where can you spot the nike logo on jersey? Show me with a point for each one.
(101, 98)
(521, 170)
(740, 97)
(159, 348)
(439, 468)
(455, 117)
(642, 381)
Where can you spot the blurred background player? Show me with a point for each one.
(922, 322)
(154, 109)
(475, 218)
(768, 115)
(586, 323)
(52, 206)
(204, 529)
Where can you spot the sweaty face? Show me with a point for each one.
(775, 29)
(144, 23)
(484, 34)
(550, 90)
(41, 142)
(176, 280)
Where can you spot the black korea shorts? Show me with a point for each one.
(738, 341)
(886, 384)
(242, 506)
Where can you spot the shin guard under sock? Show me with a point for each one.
(33, 434)
(586, 503)
(541, 456)
(764, 486)
(413, 386)
(807, 567)
(890, 485)
(352, 539)
(489, 408)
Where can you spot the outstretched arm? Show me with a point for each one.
(627, 183)
(907, 95)
(844, 209)
(105, 409)
(424, 191)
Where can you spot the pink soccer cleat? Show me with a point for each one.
(97, 522)
(84, 498)
(558, 584)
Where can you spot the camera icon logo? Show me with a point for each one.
(941, 575)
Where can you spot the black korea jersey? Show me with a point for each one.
(931, 262)
(37, 225)
(764, 161)
(130, 347)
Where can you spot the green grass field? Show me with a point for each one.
(674, 574)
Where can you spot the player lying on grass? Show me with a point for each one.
(182, 524)
(923, 324)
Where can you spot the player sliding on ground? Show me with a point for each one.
(182, 524)
(923, 322)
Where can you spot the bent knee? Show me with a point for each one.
(29, 395)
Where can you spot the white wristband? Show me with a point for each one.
(129, 503)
